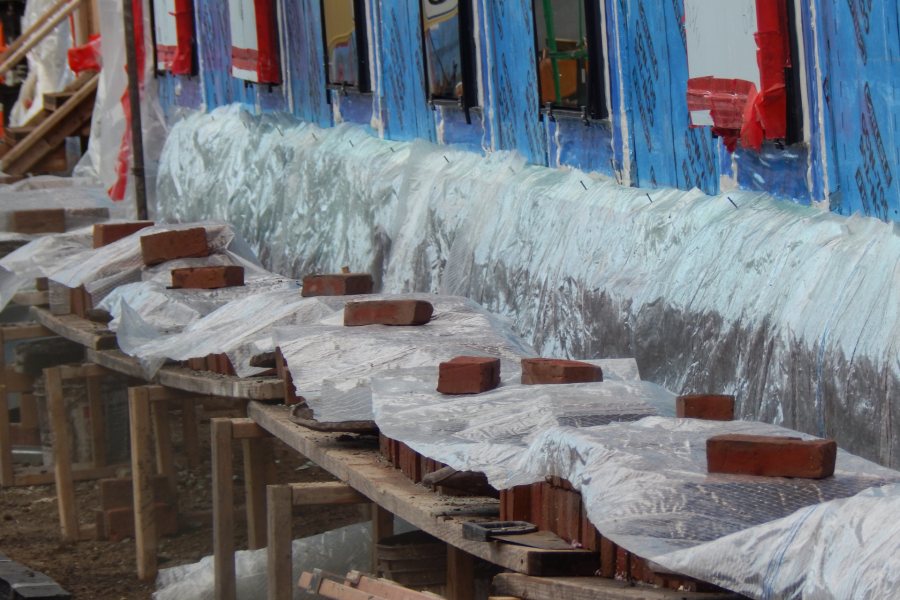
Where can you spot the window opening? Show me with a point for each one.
(570, 56)
(346, 43)
(744, 76)
(449, 48)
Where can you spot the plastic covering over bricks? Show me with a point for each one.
(773, 302)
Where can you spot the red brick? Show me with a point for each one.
(207, 278)
(589, 536)
(337, 284)
(49, 220)
(518, 503)
(711, 407)
(41, 284)
(468, 375)
(608, 555)
(107, 233)
(168, 245)
(770, 456)
(623, 564)
(197, 364)
(537, 502)
(551, 370)
(387, 312)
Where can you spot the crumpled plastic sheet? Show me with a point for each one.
(644, 482)
(339, 551)
(40, 257)
(332, 365)
(119, 263)
(240, 328)
(794, 310)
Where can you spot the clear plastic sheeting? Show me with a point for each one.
(121, 262)
(339, 551)
(794, 310)
(332, 365)
(488, 432)
(847, 548)
(241, 328)
(39, 258)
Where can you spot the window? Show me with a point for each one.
(744, 76)
(346, 43)
(173, 28)
(570, 58)
(254, 41)
(447, 35)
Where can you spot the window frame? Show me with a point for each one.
(467, 57)
(597, 107)
(271, 74)
(363, 60)
(190, 47)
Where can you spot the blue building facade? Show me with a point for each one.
(848, 63)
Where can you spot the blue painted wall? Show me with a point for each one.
(852, 57)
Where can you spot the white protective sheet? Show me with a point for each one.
(332, 365)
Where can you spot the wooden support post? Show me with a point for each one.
(142, 472)
(165, 458)
(98, 422)
(279, 500)
(28, 412)
(382, 528)
(460, 574)
(223, 510)
(62, 457)
(190, 431)
(257, 462)
(6, 464)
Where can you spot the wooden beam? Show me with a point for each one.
(328, 492)
(279, 565)
(460, 574)
(246, 429)
(6, 457)
(165, 457)
(79, 473)
(142, 471)
(82, 371)
(223, 509)
(190, 431)
(89, 334)
(34, 34)
(98, 421)
(24, 331)
(590, 588)
(257, 467)
(62, 457)
(386, 588)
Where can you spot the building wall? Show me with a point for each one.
(850, 51)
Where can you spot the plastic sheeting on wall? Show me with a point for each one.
(794, 310)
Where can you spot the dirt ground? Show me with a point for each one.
(30, 533)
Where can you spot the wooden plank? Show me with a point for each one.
(32, 298)
(362, 469)
(279, 563)
(64, 122)
(82, 371)
(6, 457)
(207, 384)
(386, 588)
(590, 588)
(16, 382)
(24, 331)
(28, 412)
(44, 24)
(190, 432)
(246, 429)
(326, 492)
(165, 457)
(460, 574)
(142, 469)
(223, 509)
(382, 528)
(98, 421)
(62, 457)
(79, 473)
(89, 334)
(257, 460)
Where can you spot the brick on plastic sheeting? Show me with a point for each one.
(283, 373)
(337, 284)
(554, 371)
(770, 456)
(515, 504)
(107, 233)
(208, 278)
(609, 553)
(40, 220)
(160, 247)
(589, 536)
(468, 375)
(711, 407)
(80, 302)
(387, 312)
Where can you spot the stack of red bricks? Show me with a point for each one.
(115, 517)
(412, 464)
(213, 363)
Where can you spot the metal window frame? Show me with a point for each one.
(361, 28)
(467, 58)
